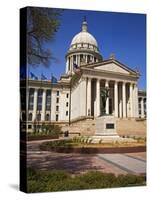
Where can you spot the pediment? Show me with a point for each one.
(114, 67)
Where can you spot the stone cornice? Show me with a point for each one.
(82, 51)
(47, 84)
(97, 73)
(104, 62)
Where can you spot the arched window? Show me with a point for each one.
(47, 117)
(39, 117)
(30, 117)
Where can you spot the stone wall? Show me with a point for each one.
(84, 127)
(132, 127)
(125, 127)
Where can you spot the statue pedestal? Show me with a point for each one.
(106, 126)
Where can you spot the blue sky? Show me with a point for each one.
(123, 34)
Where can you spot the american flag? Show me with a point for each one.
(76, 69)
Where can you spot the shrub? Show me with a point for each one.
(47, 130)
(57, 180)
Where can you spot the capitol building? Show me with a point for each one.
(75, 101)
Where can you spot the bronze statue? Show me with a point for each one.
(104, 95)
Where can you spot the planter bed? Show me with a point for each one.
(95, 150)
(42, 137)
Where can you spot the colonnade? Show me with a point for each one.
(79, 59)
(125, 98)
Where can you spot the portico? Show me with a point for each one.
(122, 100)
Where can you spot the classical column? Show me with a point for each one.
(43, 105)
(35, 104)
(107, 100)
(93, 59)
(131, 100)
(142, 107)
(67, 66)
(89, 97)
(124, 99)
(120, 101)
(116, 98)
(98, 97)
(83, 97)
(135, 92)
(71, 63)
(86, 59)
(78, 60)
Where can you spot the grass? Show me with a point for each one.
(57, 180)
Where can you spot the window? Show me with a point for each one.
(29, 126)
(57, 93)
(57, 100)
(66, 104)
(48, 100)
(56, 117)
(57, 108)
(88, 58)
(39, 117)
(74, 59)
(31, 98)
(66, 113)
(47, 117)
(67, 95)
(39, 100)
(30, 117)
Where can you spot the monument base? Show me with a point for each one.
(106, 131)
(106, 126)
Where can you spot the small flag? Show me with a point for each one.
(54, 79)
(33, 76)
(43, 77)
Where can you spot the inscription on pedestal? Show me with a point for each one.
(106, 125)
(110, 126)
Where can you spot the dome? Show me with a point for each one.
(84, 37)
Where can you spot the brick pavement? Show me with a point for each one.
(81, 163)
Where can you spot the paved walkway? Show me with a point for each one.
(127, 163)
(134, 163)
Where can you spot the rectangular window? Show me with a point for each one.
(66, 104)
(66, 113)
(57, 93)
(48, 99)
(57, 100)
(57, 108)
(67, 95)
(31, 98)
(56, 117)
(39, 100)
(29, 126)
